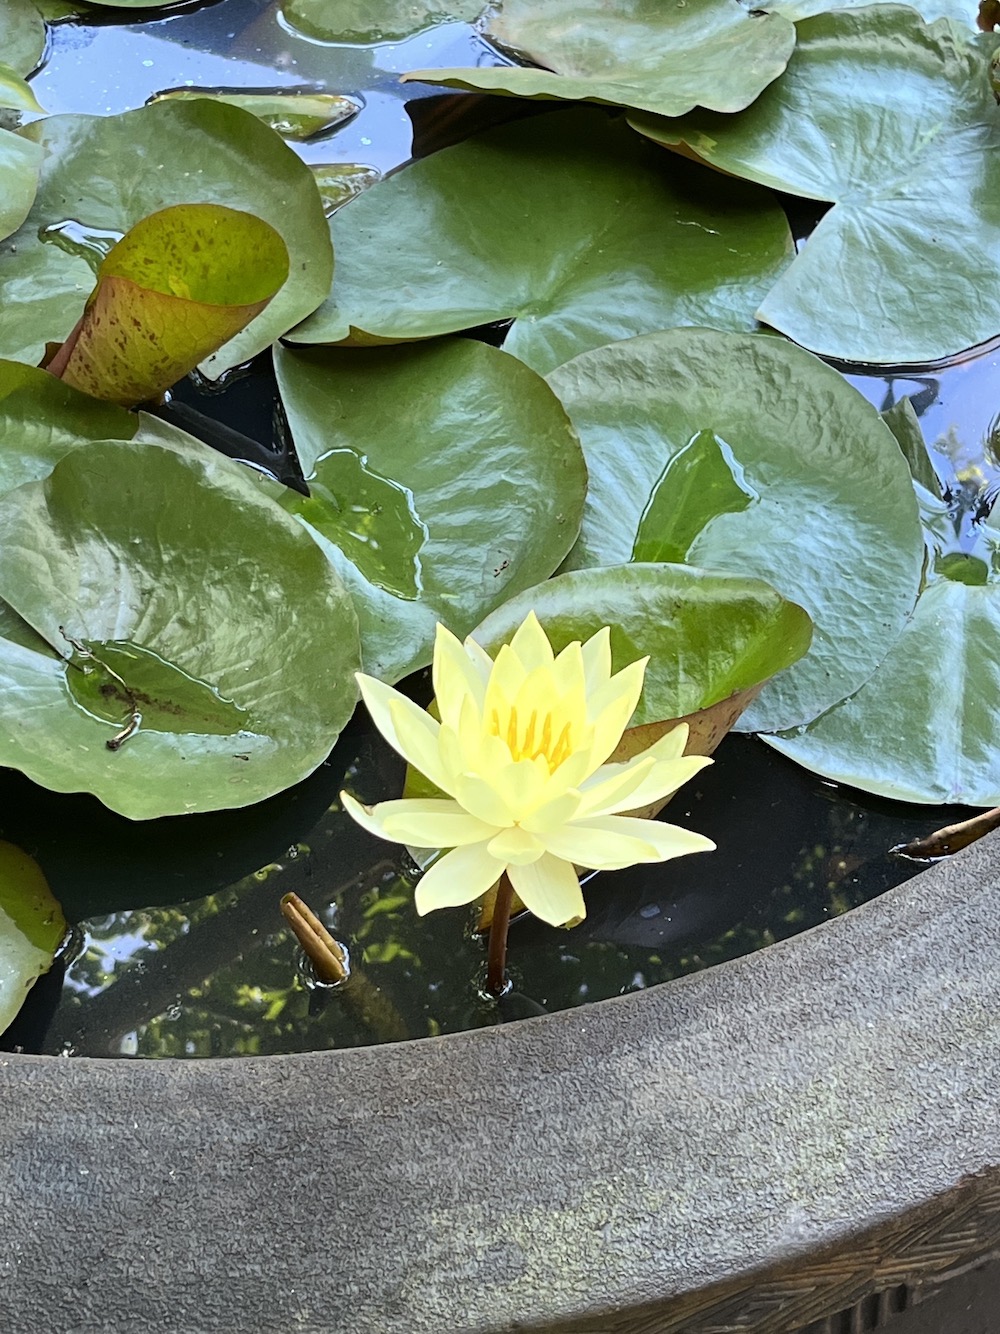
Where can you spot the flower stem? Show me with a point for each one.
(496, 966)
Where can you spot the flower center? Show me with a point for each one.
(537, 739)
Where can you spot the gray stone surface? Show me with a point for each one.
(533, 1174)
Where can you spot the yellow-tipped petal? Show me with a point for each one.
(596, 654)
(459, 877)
(549, 889)
(455, 677)
(531, 644)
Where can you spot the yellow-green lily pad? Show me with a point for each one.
(32, 928)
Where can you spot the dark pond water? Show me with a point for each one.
(180, 948)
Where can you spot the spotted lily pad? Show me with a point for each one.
(818, 501)
(102, 175)
(368, 21)
(444, 477)
(894, 121)
(208, 639)
(291, 114)
(565, 224)
(663, 57)
(32, 927)
(22, 35)
(175, 288)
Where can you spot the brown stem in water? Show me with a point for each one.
(324, 953)
(496, 966)
(952, 838)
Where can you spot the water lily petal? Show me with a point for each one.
(479, 658)
(461, 876)
(428, 822)
(480, 798)
(640, 782)
(553, 812)
(596, 653)
(549, 888)
(611, 842)
(505, 681)
(520, 784)
(612, 706)
(531, 644)
(389, 711)
(455, 677)
(515, 846)
(569, 674)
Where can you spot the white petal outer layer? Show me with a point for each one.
(459, 877)
(550, 889)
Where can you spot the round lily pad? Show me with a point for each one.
(102, 175)
(207, 639)
(926, 726)
(744, 453)
(369, 21)
(894, 121)
(444, 477)
(665, 58)
(32, 927)
(22, 35)
(566, 224)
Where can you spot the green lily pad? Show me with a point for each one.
(22, 35)
(831, 519)
(960, 11)
(707, 635)
(926, 726)
(32, 928)
(291, 114)
(213, 618)
(20, 164)
(41, 419)
(665, 58)
(16, 92)
(565, 224)
(175, 288)
(369, 21)
(102, 175)
(445, 477)
(875, 111)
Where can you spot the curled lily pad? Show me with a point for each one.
(875, 111)
(175, 288)
(22, 35)
(565, 224)
(665, 58)
(368, 21)
(926, 726)
(340, 182)
(292, 114)
(102, 175)
(41, 419)
(32, 928)
(444, 478)
(16, 92)
(829, 518)
(707, 635)
(208, 639)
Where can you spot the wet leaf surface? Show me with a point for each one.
(292, 115)
(22, 35)
(32, 927)
(367, 21)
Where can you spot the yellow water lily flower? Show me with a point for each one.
(520, 751)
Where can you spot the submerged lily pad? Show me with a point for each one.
(665, 58)
(367, 21)
(444, 477)
(340, 182)
(102, 175)
(926, 726)
(893, 121)
(32, 927)
(707, 635)
(565, 224)
(291, 114)
(22, 35)
(830, 520)
(211, 628)
(176, 287)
